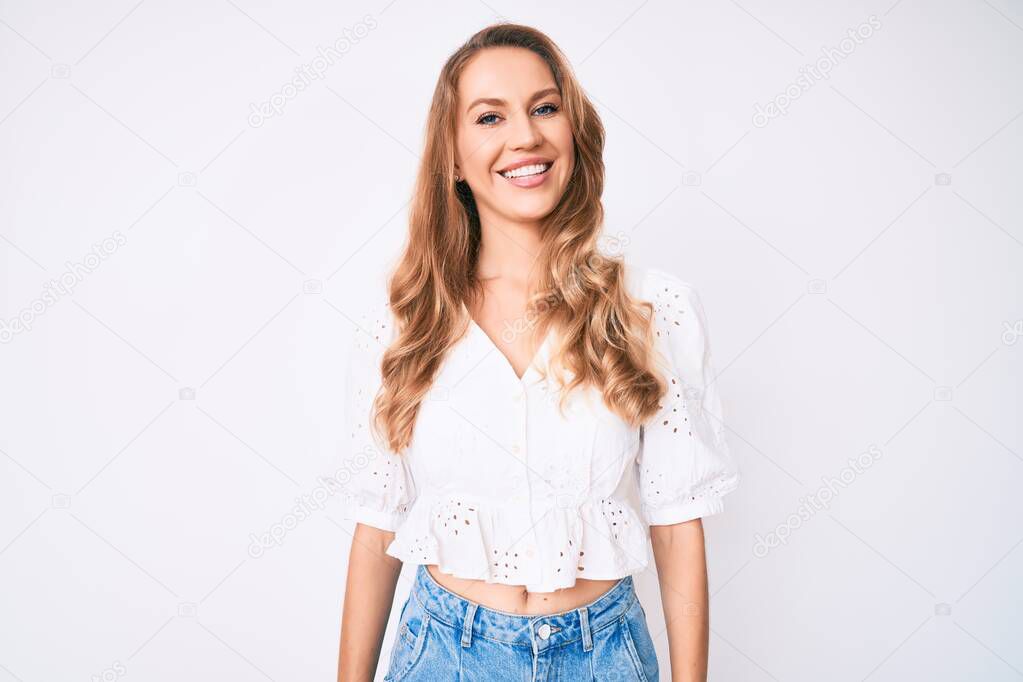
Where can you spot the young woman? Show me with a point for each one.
(513, 389)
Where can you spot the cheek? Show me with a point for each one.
(568, 163)
(561, 135)
(467, 148)
(478, 151)
(566, 148)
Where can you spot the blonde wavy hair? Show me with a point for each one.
(606, 337)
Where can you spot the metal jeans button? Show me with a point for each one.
(544, 631)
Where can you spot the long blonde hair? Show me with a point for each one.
(606, 335)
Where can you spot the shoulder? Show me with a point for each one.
(657, 286)
(679, 320)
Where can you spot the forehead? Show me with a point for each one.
(509, 73)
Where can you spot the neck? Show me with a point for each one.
(508, 250)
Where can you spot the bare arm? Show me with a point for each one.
(369, 593)
(682, 573)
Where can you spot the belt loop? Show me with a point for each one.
(584, 622)
(470, 613)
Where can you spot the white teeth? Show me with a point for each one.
(522, 171)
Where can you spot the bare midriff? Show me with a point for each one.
(515, 599)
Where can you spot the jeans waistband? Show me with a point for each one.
(537, 631)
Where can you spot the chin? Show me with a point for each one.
(531, 208)
(530, 213)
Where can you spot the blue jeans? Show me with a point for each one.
(442, 636)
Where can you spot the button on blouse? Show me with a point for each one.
(500, 485)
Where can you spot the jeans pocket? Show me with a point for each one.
(640, 643)
(407, 648)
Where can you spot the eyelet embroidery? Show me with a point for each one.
(512, 557)
(450, 511)
(614, 512)
(669, 312)
(423, 547)
(506, 560)
(663, 308)
(380, 485)
(681, 401)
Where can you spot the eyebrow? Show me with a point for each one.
(493, 101)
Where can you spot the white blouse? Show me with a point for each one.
(497, 485)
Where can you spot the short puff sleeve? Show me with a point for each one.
(684, 466)
(377, 483)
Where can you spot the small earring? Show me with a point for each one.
(458, 178)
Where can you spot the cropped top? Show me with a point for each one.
(498, 485)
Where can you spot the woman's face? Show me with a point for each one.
(509, 112)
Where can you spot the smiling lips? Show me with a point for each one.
(527, 174)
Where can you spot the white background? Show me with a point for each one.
(856, 297)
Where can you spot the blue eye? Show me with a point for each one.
(483, 120)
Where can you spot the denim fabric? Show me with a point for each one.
(442, 636)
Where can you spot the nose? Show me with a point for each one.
(524, 133)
